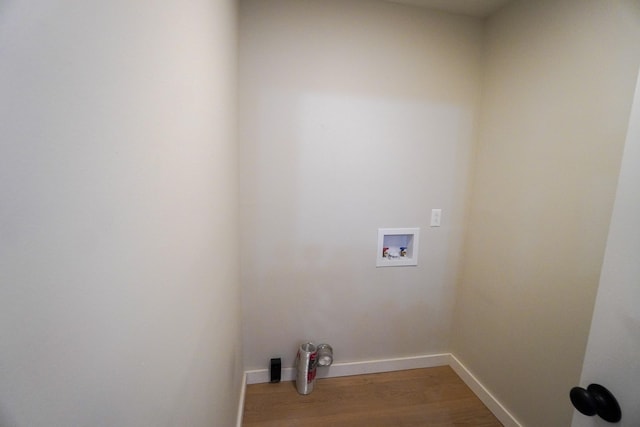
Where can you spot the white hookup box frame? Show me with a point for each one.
(397, 247)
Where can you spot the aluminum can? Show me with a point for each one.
(306, 362)
(325, 355)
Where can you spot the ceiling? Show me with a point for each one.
(479, 8)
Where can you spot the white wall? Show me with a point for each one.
(559, 79)
(614, 344)
(119, 296)
(354, 115)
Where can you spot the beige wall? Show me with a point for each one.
(119, 296)
(558, 85)
(354, 115)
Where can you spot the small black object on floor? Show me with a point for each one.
(276, 368)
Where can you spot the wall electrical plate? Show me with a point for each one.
(397, 247)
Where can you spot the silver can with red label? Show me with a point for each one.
(306, 362)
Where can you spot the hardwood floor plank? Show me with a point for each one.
(418, 397)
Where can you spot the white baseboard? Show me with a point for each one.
(389, 365)
(243, 388)
(483, 394)
(357, 368)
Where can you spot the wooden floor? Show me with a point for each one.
(417, 397)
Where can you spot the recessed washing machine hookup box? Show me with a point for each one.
(397, 247)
